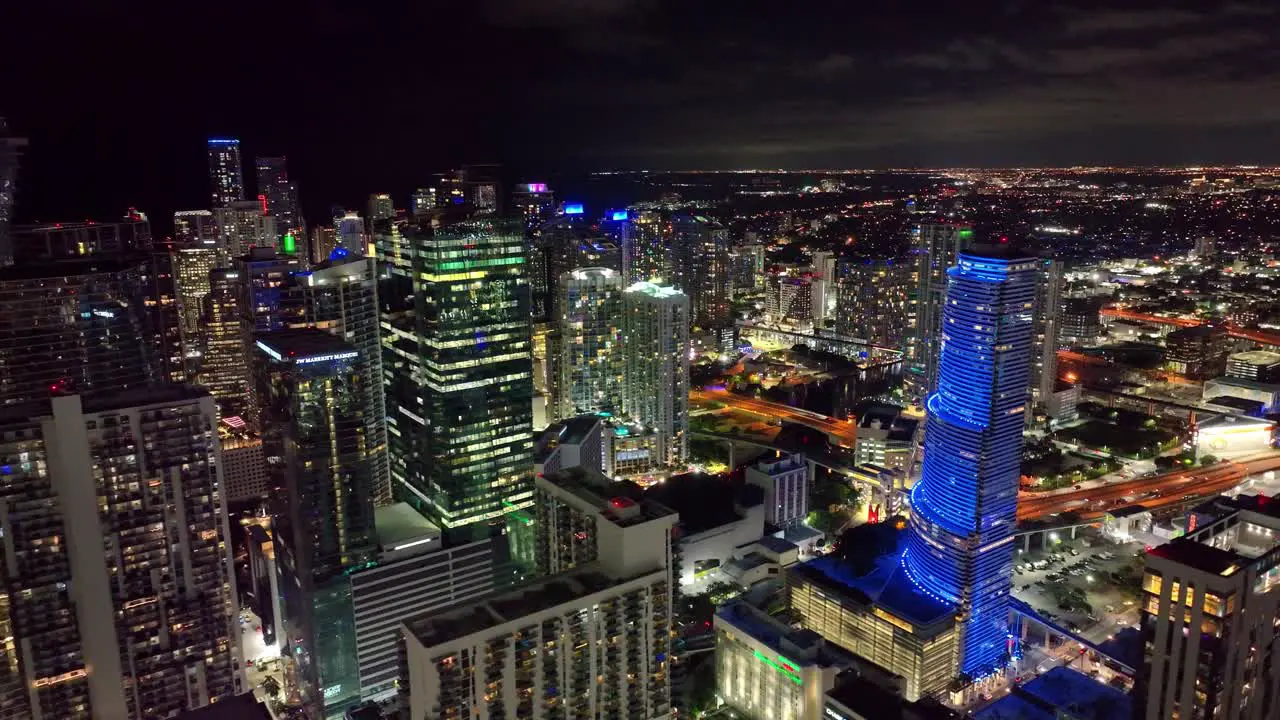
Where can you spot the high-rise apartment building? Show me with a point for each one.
(324, 240)
(381, 207)
(873, 301)
(535, 202)
(1210, 605)
(148, 628)
(936, 247)
(589, 362)
(1048, 326)
(655, 350)
(280, 195)
(646, 252)
(591, 640)
(226, 175)
(1081, 321)
(195, 228)
(224, 364)
(963, 509)
(192, 266)
(340, 296)
(266, 279)
(77, 325)
(164, 310)
(700, 268)
(458, 364)
(790, 301)
(318, 453)
(242, 226)
(825, 278)
(350, 232)
(10, 151)
(422, 202)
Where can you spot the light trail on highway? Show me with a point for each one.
(846, 432)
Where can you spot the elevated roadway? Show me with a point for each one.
(1154, 493)
(844, 432)
(1258, 336)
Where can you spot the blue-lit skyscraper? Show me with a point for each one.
(225, 173)
(964, 509)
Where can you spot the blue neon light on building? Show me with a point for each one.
(964, 508)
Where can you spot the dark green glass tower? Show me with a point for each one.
(457, 359)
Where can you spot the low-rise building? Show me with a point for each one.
(880, 616)
(1259, 365)
(765, 670)
(785, 481)
(1266, 393)
(1197, 352)
(1228, 436)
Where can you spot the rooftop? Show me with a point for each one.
(886, 586)
(578, 428)
(440, 628)
(238, 707)
(613, 498)
(704, 501)
(874, 700)
(1257, 357)
(1192, 553)
(1246, 383)
(655, 291)
(399, 524)
(1061, 692)
(1196, 332)
(304, 345)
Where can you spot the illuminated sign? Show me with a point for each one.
(290, 244)
(326, 357)
(332, 691)
(782, 665)
(618, 215)
(223, 141)
(535, 187)
(573, 209)
(269, 350)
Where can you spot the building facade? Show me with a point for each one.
(964, 506)
(589, 367)
(1209, 608)
(10, 151)
(226, 175)
(457, 358)
(224, 362)
(873, 301)
(785, 481)
(936, 247)
(655, 332)
(319, 456)
(144, 630)
(244, 225)
(340, 296)
(280, 196)
(77, 326)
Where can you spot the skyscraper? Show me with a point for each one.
(265, 280)
(192, 265)
(243, 225)
(281, 196)
(340, 296)
(645, 247)
(312, 401)
(589, 366)
(458, 363)
(825, 277)
(195, 228)
(77, 325)
(10, 149)
(350, 230)
(145, 629)
(1048, 324)
(964, 506)
(535, 202)
(226, 175)
(381, 207)
(700, 260)
(655, 337)
(422, 202)
(935, 246)
(224, 367)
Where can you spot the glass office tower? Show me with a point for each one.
(964, 508)
(457, 357)
(225, 173)
(319, 458)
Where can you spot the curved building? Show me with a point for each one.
(964, 507)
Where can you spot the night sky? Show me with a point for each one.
(118, 97)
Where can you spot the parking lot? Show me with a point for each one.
(1090, 590)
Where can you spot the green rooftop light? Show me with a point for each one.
(290, 244)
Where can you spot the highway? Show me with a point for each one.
(1258, 336)
(1155, 492)
(845, 432)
